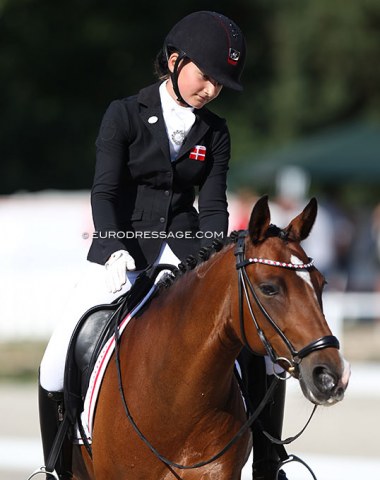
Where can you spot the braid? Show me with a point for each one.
(191, 262)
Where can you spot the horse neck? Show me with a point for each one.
(200, 346)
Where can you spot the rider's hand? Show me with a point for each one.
(116, 270)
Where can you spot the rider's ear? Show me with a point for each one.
(299, 228)
(260, 220)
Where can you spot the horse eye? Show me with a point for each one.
(269, 289)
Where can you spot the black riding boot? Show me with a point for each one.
(51, 415)
(265, 456)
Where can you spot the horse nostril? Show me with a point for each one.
(324, 379)
(339, 394)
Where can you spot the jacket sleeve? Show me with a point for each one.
(212, 202)
(111, 157)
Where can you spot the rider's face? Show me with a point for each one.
(196, 88)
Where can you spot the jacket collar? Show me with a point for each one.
(151, 114)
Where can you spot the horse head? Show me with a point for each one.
(281, 313)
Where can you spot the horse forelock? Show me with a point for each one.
(274, 231)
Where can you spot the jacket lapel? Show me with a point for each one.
(151, 115)
(196, 133)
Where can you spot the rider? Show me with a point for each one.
(153, 150)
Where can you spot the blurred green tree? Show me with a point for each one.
(310, 64)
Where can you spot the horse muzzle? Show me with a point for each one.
(322, 384)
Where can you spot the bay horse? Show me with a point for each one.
(177, 357)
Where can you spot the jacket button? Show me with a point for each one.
(166, 193)
(162, 219)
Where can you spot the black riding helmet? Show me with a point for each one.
(213, 42)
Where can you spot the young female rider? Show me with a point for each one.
(153, 150)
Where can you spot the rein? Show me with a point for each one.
(169, 463)
(162, 458)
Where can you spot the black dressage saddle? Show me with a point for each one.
(93, 330)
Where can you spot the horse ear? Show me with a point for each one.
(260, 220)
(299, 228)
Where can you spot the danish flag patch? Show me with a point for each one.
(198, 153)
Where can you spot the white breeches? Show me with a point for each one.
(90, 291)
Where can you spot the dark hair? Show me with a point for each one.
(160, 64)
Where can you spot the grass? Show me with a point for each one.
(19, 361)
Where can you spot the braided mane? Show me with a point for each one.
(203, 255)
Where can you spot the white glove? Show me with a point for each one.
(116, 270)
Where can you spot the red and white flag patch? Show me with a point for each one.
(198, 153)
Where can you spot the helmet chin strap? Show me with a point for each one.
(174, 78)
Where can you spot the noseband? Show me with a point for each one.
(245, 285)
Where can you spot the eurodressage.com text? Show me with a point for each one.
(154, 234)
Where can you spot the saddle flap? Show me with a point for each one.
(92, 331)
(96, 329)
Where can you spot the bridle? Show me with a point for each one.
(245, 287)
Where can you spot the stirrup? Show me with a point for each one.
(43, 470)
(294, 458)
(280, 474)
